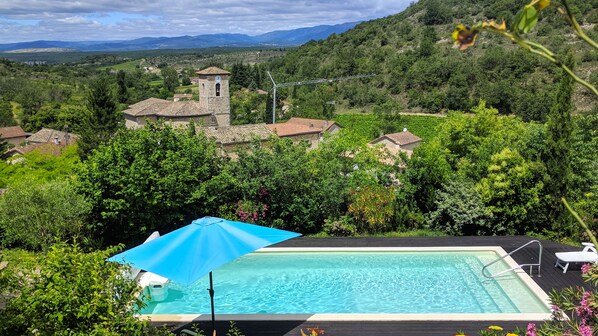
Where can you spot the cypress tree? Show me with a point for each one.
(101, 120)
(558, 148)
(123, 93)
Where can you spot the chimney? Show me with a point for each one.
(56, 140)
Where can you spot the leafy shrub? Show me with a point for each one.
(339, 227)
(460, 210)
(75, 293)
(37, 215)
(372, 208)
(147, 179)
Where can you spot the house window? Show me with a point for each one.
(217, 89)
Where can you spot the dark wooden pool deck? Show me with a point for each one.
(551, 278)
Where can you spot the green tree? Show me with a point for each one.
(460, 210)
(171, 78)
(6, 115)
(297, 193)
(147, 179)
(75, 293)
(372, 208)
(185, 80)
(514, 192)
(436, 13)
(102, 120)
(428, 169)
(121, 82)
(558, 148)
(36, 215)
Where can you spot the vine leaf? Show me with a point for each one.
(526, 20)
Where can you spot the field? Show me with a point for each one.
(368, 124)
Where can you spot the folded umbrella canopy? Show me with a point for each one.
(187, 254)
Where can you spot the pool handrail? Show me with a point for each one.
(539, 264)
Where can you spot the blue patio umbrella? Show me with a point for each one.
(187, 254)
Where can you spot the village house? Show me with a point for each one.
(404, 141)
(13, 135)
(310, 130)
(48, 135)
(230, 140)
(48, 141)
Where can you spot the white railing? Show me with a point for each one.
(531, 266)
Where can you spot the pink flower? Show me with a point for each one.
(531, 329)
(585, 330)
(584, 309)
(585, 268)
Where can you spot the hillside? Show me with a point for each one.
(412, 54)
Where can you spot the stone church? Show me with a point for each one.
(212, 109)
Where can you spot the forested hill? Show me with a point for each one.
(416, 66)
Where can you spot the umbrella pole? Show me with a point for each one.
(212, 302)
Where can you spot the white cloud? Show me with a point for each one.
(74, 19)
(116, 19)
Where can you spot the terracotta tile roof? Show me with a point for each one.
(288, 129)
(213, 71)
(12, 132)
(183, 95)
(297, 126)
(237, 134)
(314, 123)
(165, 108)
(48, 135)
(401, 138)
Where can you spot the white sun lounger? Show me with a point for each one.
(587, 255)
(133, 272)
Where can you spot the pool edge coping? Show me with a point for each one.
(523, 276)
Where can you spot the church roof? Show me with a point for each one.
(213, 71)
(165, 108)
(182, 109)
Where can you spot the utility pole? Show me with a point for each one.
(307, 82)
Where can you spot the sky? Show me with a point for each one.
(105, 20)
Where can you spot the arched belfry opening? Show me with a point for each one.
(214, 95)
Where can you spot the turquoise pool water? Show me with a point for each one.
(354, 282)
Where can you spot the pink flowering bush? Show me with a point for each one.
(250, 211)
(579, 304)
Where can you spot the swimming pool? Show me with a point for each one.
(390, 282)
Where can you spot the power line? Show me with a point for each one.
(307, 82)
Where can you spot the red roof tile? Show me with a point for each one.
(12, 132)
(287, 129)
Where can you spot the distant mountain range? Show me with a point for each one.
(281, 38)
